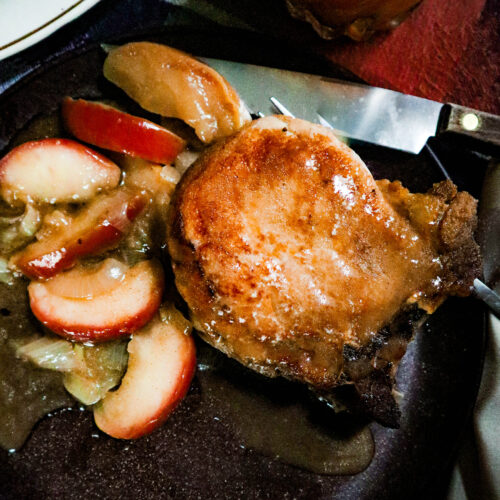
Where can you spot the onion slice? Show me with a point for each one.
(50, 353)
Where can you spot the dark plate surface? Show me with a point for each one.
(196, 454)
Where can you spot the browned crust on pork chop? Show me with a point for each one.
(286, 249)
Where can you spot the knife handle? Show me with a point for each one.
(476, 125)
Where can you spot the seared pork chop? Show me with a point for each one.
(292, 258)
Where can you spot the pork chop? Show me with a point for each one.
(291, 256)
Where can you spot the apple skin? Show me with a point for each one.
(49, 264)
(162, 362)
(28, 172)
(107, 127)
(106, 316)
(46, 258)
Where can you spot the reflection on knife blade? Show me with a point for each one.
(379, 116)
(359, 112)
(488, 296)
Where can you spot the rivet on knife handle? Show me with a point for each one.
(477, 125)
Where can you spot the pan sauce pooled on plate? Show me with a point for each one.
(292, 258)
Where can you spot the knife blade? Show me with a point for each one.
(357, 111)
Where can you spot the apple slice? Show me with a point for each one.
(161, 364)
(55, 171)
(99, 226)
(171, 83)
(109, 128)
(119, 309)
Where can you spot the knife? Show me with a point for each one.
(356, 111)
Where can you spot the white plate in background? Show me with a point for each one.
(26, 22)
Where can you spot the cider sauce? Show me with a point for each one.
(282, 420)
(27, 393)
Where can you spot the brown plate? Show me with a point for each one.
(198, 452)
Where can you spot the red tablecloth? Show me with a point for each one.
(445, 51)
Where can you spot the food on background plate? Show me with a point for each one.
(358, 19)
(290, 257)
(293, 259)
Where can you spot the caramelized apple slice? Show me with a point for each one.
(99, 226)
(128, 303)
(169, 82)
(55, 171)
(109, 128)
(161, 364)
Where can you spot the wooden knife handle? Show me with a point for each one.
(476, 125)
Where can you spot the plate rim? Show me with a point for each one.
(46, 29)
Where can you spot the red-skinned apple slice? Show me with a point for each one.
(109, 128)
(55, 171)
(112, 312)
(99, 226)
(162, 361)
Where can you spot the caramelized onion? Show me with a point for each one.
(18, 230)
(184, 160)
(89, 371)
(51, 353)
(170, 174)
(102, 369)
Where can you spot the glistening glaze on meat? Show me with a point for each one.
(286, 249)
